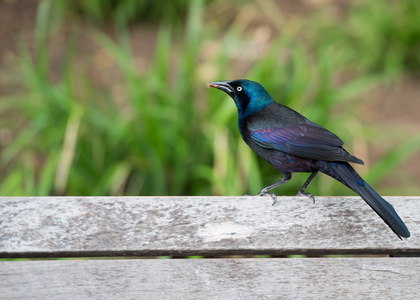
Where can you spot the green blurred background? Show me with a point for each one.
(108, 97)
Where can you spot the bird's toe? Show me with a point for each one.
(272, 195)
(309, 195)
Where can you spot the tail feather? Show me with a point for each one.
(344, 173)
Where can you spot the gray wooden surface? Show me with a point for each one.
(144, 226)
(282, 278)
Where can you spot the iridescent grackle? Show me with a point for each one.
(291, 143)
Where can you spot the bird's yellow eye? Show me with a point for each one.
(239, 88)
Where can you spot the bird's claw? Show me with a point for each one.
(272, 195)
(307, 195)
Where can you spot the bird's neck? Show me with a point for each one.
(252, 107)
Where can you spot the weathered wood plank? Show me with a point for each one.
(144, 226)
(283, 278)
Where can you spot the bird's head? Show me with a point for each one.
(249, 96)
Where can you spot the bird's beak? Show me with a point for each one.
(223, 86)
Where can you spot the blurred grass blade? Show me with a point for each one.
(41, 34)
(68, 150)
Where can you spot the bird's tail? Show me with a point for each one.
(344, 173)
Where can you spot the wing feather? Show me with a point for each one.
(296, 135)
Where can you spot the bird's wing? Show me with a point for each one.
(297, 136)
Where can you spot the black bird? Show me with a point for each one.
(291, 143)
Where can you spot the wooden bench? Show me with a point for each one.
(234, 231)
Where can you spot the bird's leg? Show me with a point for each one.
(265, 191)
(305, 185)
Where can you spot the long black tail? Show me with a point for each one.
(344, 173)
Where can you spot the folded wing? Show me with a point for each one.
(296, 135)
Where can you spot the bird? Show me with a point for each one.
(291, 143)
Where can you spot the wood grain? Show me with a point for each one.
(282, 278)
(151, 226)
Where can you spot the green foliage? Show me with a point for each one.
(383, 35)
(162, 132)
(101, 11)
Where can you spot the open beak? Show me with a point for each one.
(223, 86)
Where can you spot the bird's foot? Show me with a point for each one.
(272, 195)
(307, 195)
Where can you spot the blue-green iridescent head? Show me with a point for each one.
(249, 96)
